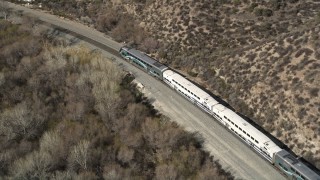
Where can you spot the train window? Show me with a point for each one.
(292, 169)
(252, 138)
(231, 129)
(236, 125)
(280, 165)
(256, 141)
(248, 135)
(240, 128)
(244, 131)
(232, 123)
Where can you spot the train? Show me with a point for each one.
(287, 163)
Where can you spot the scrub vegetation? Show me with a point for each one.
(68, 113)
(262, 57)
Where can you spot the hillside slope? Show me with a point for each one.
(262, 58)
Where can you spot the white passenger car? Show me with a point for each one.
(189, 90)
(263, 144)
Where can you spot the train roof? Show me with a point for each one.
(145, 58)
(238, 120)
(191, 87)
(298, 165)
(243, 124)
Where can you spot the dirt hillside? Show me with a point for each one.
(262, 58)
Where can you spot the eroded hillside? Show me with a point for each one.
(262, 57)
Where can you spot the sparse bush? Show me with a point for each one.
(149, 45)
(314, 92)
(263, 12)
(108, 21)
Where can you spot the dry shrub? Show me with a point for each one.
(108, 21)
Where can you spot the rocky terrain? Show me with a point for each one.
(262, 57)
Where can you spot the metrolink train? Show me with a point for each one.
(258, 141)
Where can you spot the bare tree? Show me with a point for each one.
(80, 155)
(16, 121)
(34, 166)
(4, 8)
(213, 170)
(161, 135)
(105, 78)
(52, 143)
